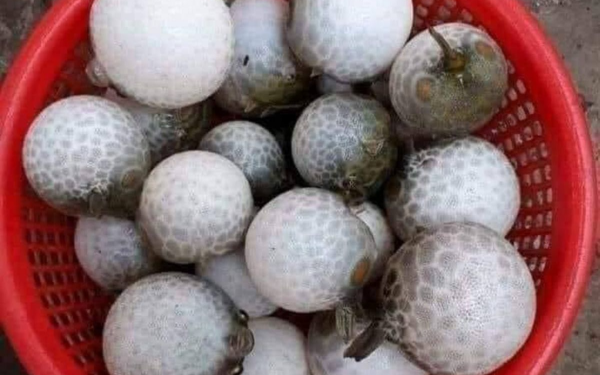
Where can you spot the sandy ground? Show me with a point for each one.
(575, 27)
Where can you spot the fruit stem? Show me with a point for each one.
(454, 61)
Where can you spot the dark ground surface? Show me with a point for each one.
(575, 27)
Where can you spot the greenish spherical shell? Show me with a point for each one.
(435, 95)
(265, 76)
(344, 142)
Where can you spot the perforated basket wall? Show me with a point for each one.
(53, 313)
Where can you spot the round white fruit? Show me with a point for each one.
(279, 348)
(265, 75)
(163, 53)
(325, 351)
(461, 179)
(195, 205)
(350, 40)
(174, 324)
(344, 142)
(230, 273)
(458, 299)
(385, 241)
(255, 151)
(307, 252)
(111, 252)
(84, 155)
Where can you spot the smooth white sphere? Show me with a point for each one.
(278, 349)
(112, 253)
(230, 272)
(164, 53)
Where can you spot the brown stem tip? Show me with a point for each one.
(454, 60)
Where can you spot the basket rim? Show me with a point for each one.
(60, 30)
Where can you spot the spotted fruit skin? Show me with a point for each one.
(344, 142)
(163, 53)
(167, 131)
(255, 151)
(265, 75)
(307, 252)
(459, 179)
(172, 324)
(279, 349)
(195, 205)
(230, 273)
(112, 253)
(350, 40)
(86, 149)
(325, 352)
(434, 102)
(458, 299)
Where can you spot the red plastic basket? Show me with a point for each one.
(53, 314)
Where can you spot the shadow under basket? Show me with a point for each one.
(53, 313)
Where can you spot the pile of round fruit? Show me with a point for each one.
(358, 143)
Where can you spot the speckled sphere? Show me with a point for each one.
(325, 352)
(84, 155)
(111, 252)
(329, 85)
(163, 53)
(265, 76)
(343, 142)
(278, 349)
(175, 324)
(255, 151)
(385, 241)
(350, 40)
(167, 131)
(195, 205)
(307, 252)
(458, 299)
(461, 179)
(230, 273)
(434, 101)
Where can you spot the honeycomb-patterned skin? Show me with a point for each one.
(195, 205)
(350, 40)
(344, 142)
(458, 299)
(307, 252)
(84, 155)
(255, 151)
(434, 101)
(460, 179)
(174, 324)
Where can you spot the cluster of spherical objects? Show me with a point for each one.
(307, 218)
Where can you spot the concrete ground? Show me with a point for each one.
(575, 27)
